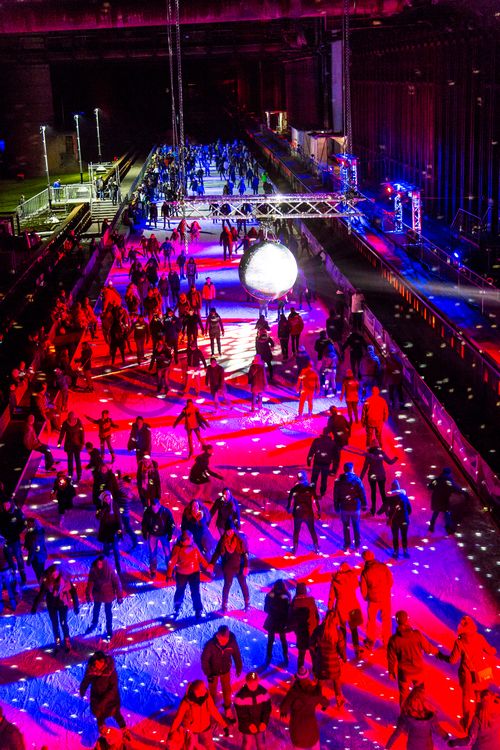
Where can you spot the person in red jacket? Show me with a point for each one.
(376, 582)
(404, 654)
(307, 386)
(296, 328)
(375, 413)
(194, 421)
(343, 600)
(186, 561)
(475, 660)
(194, 717)
(350, 391)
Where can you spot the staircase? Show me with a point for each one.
(103, 210)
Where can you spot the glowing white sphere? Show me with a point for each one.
(267, 270)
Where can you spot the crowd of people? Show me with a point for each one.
(160, 320)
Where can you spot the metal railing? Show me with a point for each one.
(35, 206)
(72, 193)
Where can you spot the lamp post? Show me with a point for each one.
(43, 128)
(99, 153)
(77, 122)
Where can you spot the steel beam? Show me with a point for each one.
(266, 208)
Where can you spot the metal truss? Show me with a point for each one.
(266, 207)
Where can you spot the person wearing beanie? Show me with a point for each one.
(376, 582)
(475, 659)
(398, 516)
(253, 710)
(343, 600)
(300, 704)
(304, 620)
(405, 655)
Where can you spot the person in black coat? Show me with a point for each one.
(102, 677)
(60, 594)
(325, 457)
(148, 480)
(157, 529)
(277, 607)
(12, 525)
(226, 509)
(399, 512)
(264, 347)
(34, 544)
(110, 527)
(140, 438)
(375, 458)
(301, 498)
(349, 500)
(357, 346)
(64, 492)
(443, 487)
(303, 620)
(217, 657)
(284, 335)
(338, 427)
(201, 472)
(172, 327)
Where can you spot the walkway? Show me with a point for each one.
(258, 455)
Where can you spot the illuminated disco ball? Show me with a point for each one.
(267, 270)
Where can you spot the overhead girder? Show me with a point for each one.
(266, 208)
